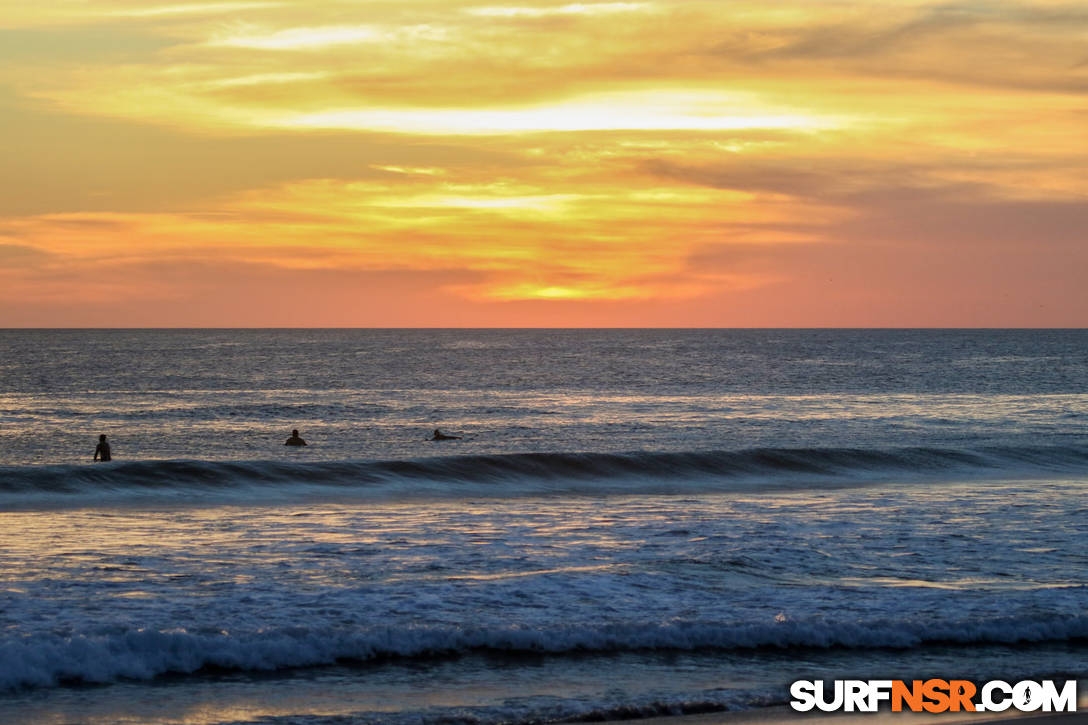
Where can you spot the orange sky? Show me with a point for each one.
(472, 163)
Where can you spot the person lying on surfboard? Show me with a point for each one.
(440, 436)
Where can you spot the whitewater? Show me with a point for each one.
(633, 522)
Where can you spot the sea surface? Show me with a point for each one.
(632, 522)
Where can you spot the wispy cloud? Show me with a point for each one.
(298, 38)
(596, 8)
(196, 8)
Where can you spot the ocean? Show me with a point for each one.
(631, 522)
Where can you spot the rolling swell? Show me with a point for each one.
(532, 473)
(49, 660)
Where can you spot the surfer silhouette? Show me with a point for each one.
(102, 450)
(295, 440)
(440, 436)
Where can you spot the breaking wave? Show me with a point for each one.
(537, 473)
(49, 660)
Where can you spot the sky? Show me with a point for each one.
(531, 163)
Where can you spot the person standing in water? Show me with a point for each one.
(295, 440)
(102, 450)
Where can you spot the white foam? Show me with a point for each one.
(44, 660)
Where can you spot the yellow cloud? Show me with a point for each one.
(188, 9)
(599, 8)
(656, 110)
(299, 38)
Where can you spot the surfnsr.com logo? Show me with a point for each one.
(933, 696)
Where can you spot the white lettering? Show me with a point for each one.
(1027, 696)
(835, 703)
(993, 705)
(1064, 701)
(855, 695)
(879, 691)
(803, 693)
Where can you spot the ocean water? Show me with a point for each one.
(633, 521)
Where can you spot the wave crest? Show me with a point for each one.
(539, 473)
(49, 660)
